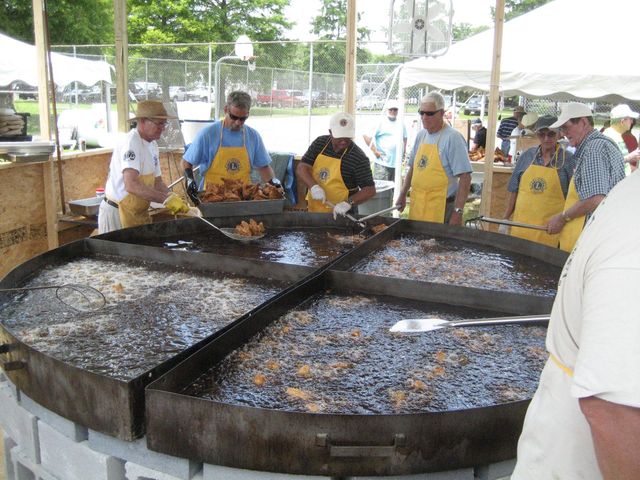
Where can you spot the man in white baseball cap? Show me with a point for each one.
(599, 166)
(384, 142)
(622, 120)
(336, 171)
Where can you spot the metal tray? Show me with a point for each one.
(85, 206)
(246, 207)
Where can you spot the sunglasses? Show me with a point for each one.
(236, 118)
(429, 114)
(159, 123)
(548, 134)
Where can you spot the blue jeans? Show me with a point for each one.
(506, 146)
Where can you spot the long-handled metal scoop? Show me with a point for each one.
(349, 216)
(381, 212)
(230, 232)
(511, 223)
(81, 298)
(428, 324)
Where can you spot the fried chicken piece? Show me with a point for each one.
(304, 371)
(243, 229)
(271, 192)
(230, 196)
(259, 379)
(212, 198)
(378, 228)
(255, 227)
(248, 190)
(298, 393)
(233, 185)
(118, 288)
(259, 195)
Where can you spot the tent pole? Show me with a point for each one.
(487, 187)
(45, 123)
(350, 59)
(121, 64)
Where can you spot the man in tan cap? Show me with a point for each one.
(506, 128)
(134, 178)
(599, 167)
(336, 171)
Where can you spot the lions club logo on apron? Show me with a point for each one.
(233, 165)
(538, 185)
(424, 161)
(323, 175)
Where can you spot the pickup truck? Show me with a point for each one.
(280, 98)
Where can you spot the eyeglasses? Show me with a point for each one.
(159, 123)
(236, 118)
(548, 134)
(429, 114)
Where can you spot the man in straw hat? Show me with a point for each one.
(134, 174)
(507, 126)
(599, 166)
(227, 149)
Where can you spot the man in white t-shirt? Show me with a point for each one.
(584, 420)
(134, 174)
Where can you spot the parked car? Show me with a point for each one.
(177, 94)
(370, 102)
(25, 91)
(281, 98)
(200, 94)
(473, 105)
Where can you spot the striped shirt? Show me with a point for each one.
(506, 127)
(599, 167)
(354, 168)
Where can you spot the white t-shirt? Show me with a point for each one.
(595, 332)
(131, 152)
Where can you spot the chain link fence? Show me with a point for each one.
(295, 87)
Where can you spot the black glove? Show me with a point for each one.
(191, 186)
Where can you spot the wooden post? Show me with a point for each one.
(51, 209)
(494, 88)
(122, 64)
(350, 59)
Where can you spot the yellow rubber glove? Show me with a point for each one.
(175, 204)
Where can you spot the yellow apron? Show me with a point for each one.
(326, 173)
(572, 229)
(134, 210)
(428, 185)
(540, 197)
(229, 162)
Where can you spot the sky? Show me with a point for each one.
(473, 12)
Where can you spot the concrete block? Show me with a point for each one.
(462, 474)
(216, 472)
(8, 445)
(134, 471)
(19, 424)
(138, 453)
(25, 469)
(496, 471)
(71, 460)
(69, 429)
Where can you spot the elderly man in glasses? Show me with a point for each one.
(539, 184)
(134, 174)
(599, 166)
(440, 171)
(227, 149)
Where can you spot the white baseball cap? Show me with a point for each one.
(392, 103)
(623, 111)
(572, 110)
(342, 125)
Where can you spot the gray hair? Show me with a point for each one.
(239, 99)
(434, 97)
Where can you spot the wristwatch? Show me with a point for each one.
(566, 217)
(458, 210)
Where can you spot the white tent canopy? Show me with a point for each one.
(574, 47)
(19, 62)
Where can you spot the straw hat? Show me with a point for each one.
(529, 119)
(152, 109)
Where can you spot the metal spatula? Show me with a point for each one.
(413, 325)
(230, 232)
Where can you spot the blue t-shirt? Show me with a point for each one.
(452, 148)
(387, 136)
(204, 147)
(565, 164)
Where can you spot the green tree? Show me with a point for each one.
(465, 30)
(70, 21)
(515, 8)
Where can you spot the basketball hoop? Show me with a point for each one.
(244, 48)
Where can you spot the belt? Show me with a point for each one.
(110, 202)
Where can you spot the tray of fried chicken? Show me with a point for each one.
(479, 154)
(235, 197)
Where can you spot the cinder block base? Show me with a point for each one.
(71, 460)
(462, 474)
(215, 472)
(496, 471)
(134, 471)
(19, 424)
(8, 445)
(25, 469)
(137, 452)
(70, 429)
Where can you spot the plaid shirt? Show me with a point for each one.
(599, 167)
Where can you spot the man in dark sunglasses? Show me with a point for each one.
(227, 149)
(439, 173)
